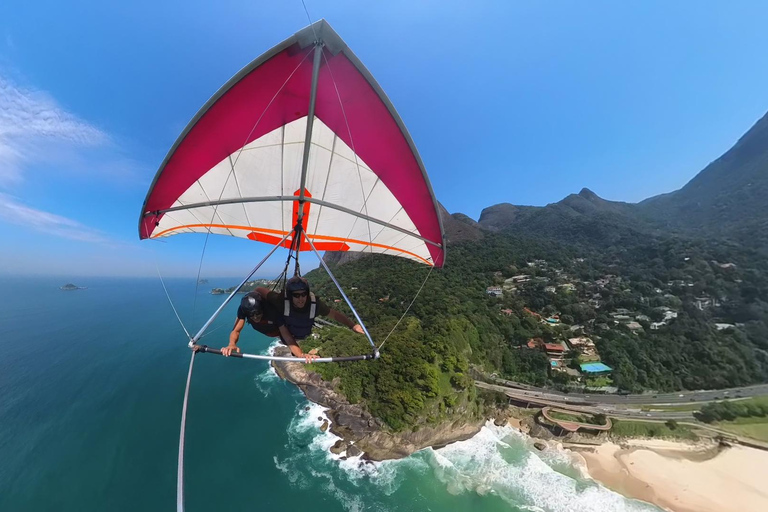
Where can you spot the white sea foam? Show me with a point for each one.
(351, 501)
(270, 351)
(344, 478)
(311, 460)
(498, 461)
(265, 380)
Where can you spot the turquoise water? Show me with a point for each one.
(91, 385)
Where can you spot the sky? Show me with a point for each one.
(506, 101)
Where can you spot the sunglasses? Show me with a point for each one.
(298, 295)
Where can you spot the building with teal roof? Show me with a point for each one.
(595, 368)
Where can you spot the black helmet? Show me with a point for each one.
(251, 304)
(297, 284)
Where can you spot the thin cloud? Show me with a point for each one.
(12, 211)
(32, 120)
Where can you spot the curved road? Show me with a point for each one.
(627, 410)
(680, 397)
(614, 410)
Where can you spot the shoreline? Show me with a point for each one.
(681, 477)
(357, 427)
(674, 475)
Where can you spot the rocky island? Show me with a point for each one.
(247, 287)
(70, 286)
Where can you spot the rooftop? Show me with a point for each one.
(595, 368)
(581, 340)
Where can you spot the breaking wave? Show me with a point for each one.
(498, 461)
(495, 470)
(266, 380)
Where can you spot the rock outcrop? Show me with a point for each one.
(360, 431)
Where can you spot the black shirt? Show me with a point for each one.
(277, 300)
(271, 317)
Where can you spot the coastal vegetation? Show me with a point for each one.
(753, 428)
(454, 325)
(730, 410)
(578, 418)
(664, 295)
(420, 379)
(675, 408)
(645, 429)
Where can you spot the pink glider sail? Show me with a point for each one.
(237, 167)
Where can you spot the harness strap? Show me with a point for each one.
(312, 306)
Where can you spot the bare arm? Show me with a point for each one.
(296, 351)
(342, 319)
(234, 336)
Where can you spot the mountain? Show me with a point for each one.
(500, 216)
(587, 258)
(585, 203)
(729, 197)
(582, 217)
(459, 228)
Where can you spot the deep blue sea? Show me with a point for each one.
(91, 387)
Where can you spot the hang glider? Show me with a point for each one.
(301, 149)
(243, 168)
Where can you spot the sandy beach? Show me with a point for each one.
(683, 477)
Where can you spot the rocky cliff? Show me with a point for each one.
(361, 432)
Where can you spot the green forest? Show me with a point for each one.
(454, 325)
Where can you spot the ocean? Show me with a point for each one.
(91, 388)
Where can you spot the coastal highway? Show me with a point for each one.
(681, 397)
(625, 411)
(621, 411)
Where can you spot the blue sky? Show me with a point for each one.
(520, 102)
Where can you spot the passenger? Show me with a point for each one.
(260, 314)
(300, 308)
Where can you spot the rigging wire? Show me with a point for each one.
(200, 268)
(211, 332)
(309, 18)
(408, 308)
(232, 172)
(354, 152)
(365, 198)
(157, 266)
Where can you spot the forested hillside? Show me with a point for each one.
(668, 294)
(718, 338)
(728, 198)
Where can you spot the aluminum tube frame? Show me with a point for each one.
(205, 348)
(312, 200)
(182, 435)
(307, 146)
(310, 121)
(346, 299)
(213, 317)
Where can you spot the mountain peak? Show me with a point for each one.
(588, 194)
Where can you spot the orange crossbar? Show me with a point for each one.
(255, 235)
